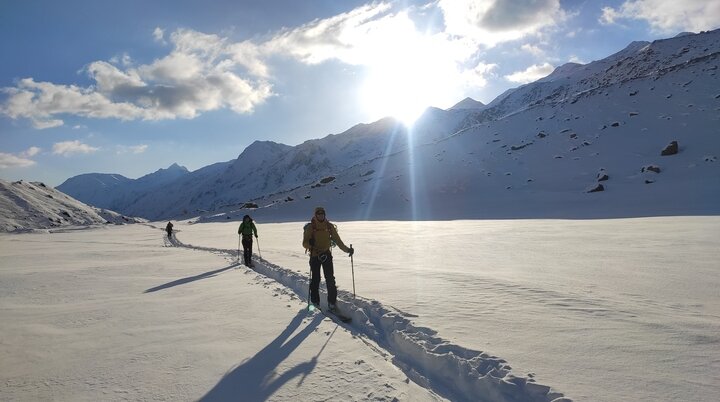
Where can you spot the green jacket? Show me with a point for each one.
(247, 229)
(322, 232)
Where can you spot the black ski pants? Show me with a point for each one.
(247, 249)
(326, 261)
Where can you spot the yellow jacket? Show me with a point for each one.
(322, 232)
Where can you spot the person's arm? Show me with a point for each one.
(240, 228)
(254, 228)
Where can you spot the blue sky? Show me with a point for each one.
(130, 87)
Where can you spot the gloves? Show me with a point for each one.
(351, 252)
(311, 242)
(256, 236)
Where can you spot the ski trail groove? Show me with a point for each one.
(450, 370)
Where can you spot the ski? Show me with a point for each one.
(331, 314)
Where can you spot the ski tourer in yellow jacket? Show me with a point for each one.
(318, 238)
(319, 235)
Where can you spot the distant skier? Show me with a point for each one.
(168, 229)
(246, 230)
(318, 237)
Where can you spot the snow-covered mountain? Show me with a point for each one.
(33, 205)
(468, 103)
(115, 191)
(534, 151)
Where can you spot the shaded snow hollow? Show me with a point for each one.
(450, 370)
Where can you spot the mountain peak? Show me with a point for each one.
(467, 103)
(562, 71)
(175, 166)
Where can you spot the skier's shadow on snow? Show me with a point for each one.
(256, 379)
(188, 279)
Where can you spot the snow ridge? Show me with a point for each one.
(450, 370)
(28, 206)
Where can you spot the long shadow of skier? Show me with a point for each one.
(255, 380)
(188, 279)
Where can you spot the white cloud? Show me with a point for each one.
(30, 152)
(576, 59)
(67, 148)
(668, 16)
(159, 35)
(123, 59)
(532, 49)
(202, 73)
(609, 15)
(349, 37)
(20, 160)
(138, 149)
(476, 77)
(494, 21)
(530, 74)
(134, 149)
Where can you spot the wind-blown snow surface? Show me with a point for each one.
(601, 310)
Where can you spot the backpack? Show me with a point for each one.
(332, 241)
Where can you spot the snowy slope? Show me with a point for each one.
(637, 60)
(116, 191)
(33, 205)
(179, 195)
(98, 189)
(468, 103)
(266, 167)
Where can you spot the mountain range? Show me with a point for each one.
(634, 134)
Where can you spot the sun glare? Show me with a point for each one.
(405, 77)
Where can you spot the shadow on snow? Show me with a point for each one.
(256, 379)
(189, 279)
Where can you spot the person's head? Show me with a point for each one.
(246, 218)
(320, 213)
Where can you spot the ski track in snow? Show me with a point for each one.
(450, 370)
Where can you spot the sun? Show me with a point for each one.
(405, 76)
(390, 92)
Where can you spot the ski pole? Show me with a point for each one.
(309, 283)
(259, 252)
(238, 249)
(352, 267)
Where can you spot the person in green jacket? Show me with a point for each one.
(318, 237)
(246, 230)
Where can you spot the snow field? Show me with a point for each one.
(450, 370)
(111, 314)
(601, 310)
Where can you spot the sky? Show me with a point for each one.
(130, 87)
